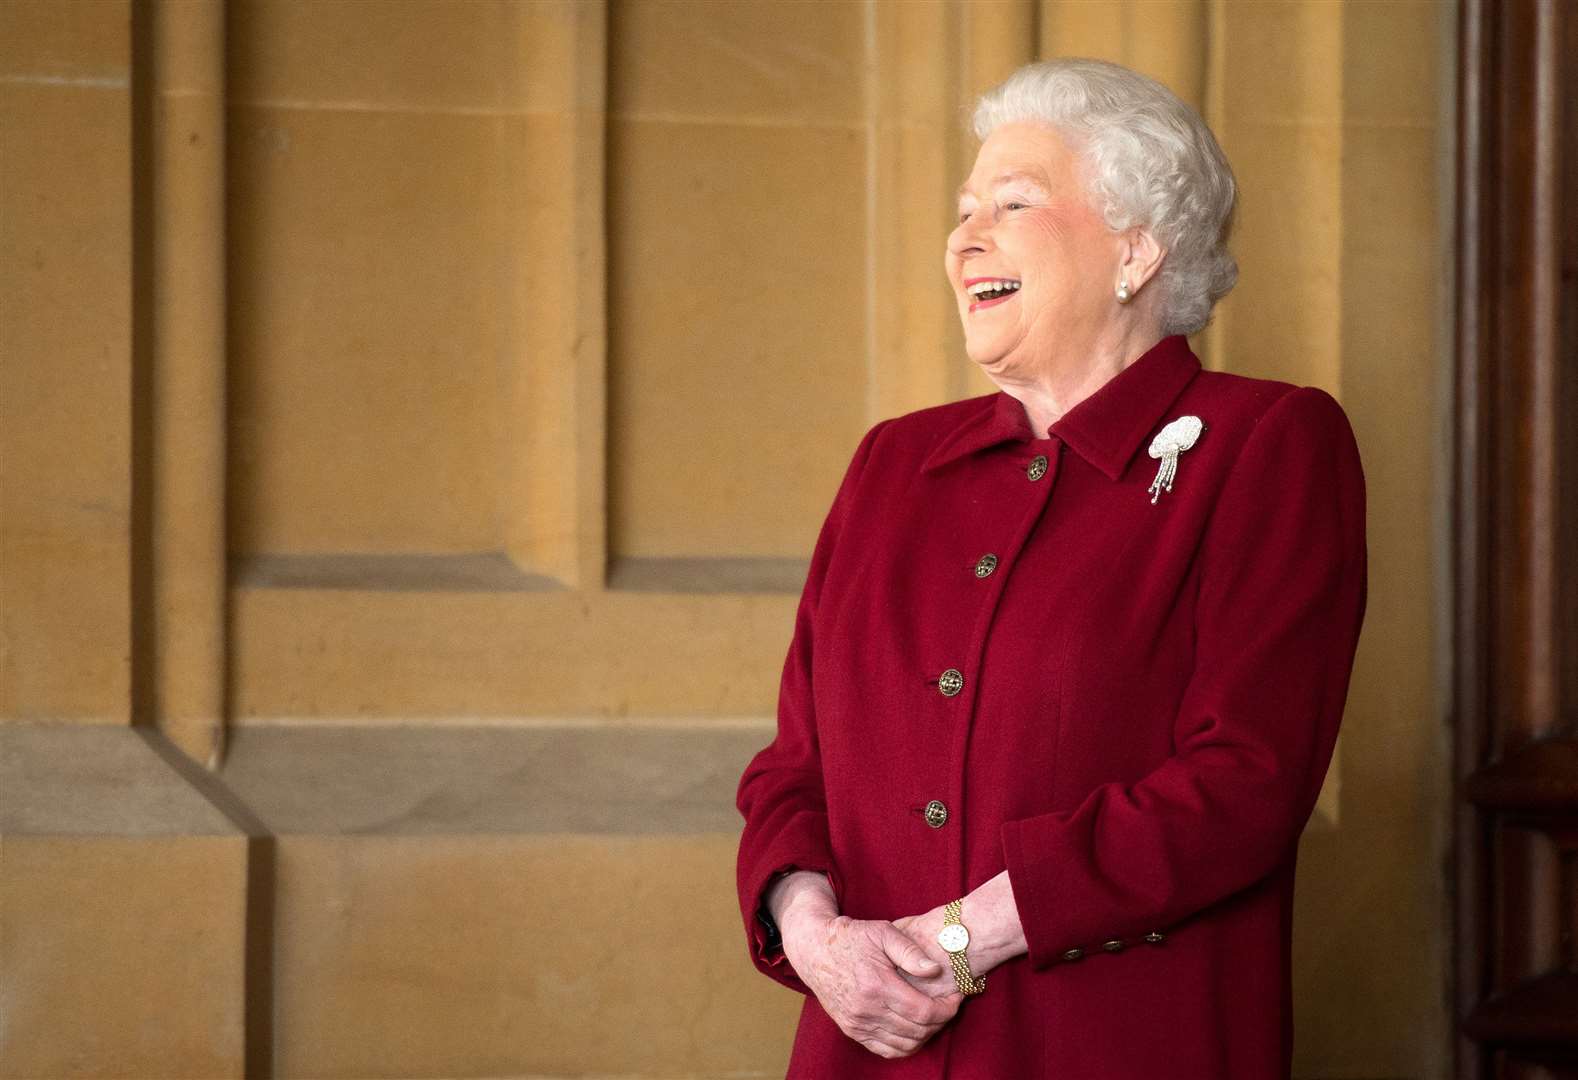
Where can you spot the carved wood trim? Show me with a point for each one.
(1515, 472)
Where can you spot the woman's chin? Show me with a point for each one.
(989, 360)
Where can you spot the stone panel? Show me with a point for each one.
(737, 310)
(416, 55)
(519, 955)
(65, 382)
(427, 656)
(122, 956)
(65, 42)
(736, 63)
(368, 348)
(553, 900)
(122, 911)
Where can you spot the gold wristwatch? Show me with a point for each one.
(954, 939)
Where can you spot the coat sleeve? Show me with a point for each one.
(781, 793)
(1282, 589)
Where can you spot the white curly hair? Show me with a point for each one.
(1151, 161)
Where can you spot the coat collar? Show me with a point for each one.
(1105, 429)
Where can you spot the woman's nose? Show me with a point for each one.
(969, 237)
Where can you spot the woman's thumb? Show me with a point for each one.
(905, 954)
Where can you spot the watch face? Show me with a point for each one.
(954, 938)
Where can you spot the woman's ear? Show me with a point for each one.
(1142, 257)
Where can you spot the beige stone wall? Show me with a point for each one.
(65, 362)
(392, 365)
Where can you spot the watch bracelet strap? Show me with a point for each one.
(968, 983)
(962, 976)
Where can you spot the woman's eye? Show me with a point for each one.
(1014, 206)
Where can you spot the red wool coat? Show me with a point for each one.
(1151, 692)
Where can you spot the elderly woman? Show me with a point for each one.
(1056, 709)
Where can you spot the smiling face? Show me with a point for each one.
(1032, 264)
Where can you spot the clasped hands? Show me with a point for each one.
(888, 985)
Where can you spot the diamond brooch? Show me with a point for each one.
(1171, 441)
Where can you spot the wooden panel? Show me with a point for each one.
(1516, 544)
(1539, 1014)
(1539, 778)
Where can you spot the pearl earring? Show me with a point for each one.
(1123, 291)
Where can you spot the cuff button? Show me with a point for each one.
(1115, 945)
(1155, 937)
(1074, 953)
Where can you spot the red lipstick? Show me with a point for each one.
(976, 305)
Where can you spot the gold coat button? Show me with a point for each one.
(985, 565)
(1155, 937)
(936, 814)
(1074, 953)
(1038, 467)
(1115, 945)
(950, 682)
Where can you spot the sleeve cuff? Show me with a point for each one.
(766, 939)
(1052, 936)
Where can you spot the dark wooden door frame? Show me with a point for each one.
(1515, 558)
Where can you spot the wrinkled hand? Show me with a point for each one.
(996, 935)
(922, 931)
(862, 973)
